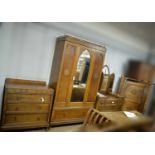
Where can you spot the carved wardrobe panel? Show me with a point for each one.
(75, 76)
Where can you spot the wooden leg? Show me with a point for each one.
(47, 128)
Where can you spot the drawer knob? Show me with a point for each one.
(113, 102)
(42, 99)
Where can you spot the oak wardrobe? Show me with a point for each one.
(75, 76)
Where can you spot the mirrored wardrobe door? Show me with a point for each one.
(81, 76)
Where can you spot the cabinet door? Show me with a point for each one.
(135, 95)
(66, 72)
(95, 78)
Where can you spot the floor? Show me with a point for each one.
(64, 128)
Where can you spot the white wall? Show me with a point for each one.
(26, 49)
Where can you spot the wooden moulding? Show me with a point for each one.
(24, 82)
(82, 42)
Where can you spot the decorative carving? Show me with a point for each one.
(66, 72)
(95, 76)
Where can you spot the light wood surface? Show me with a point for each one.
(114, 121)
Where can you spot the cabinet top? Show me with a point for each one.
(81, 42)
(27, 86)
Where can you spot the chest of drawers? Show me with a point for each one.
(26, 104)
(109, 102)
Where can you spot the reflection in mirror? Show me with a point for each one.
(80, 78)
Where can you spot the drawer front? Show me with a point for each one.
(68, 114)
(25, 118)
(20, 98)
(29, 91)
(106, 101)
(112, 102)
(27, 107)
(109, 105)
(109, 108)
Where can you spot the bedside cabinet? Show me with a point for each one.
(26, 104)
(109, 102)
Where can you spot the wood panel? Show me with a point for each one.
(25, 107)
(25, 82)
(85, 43)
(135, 93)
(22, 118)
(95, 79)
(56, 63)
(66, 72)
(68, 114)
(22, 98)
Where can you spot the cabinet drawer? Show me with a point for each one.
(25, 118)
(112, 102)
(26, 107)
(109, 107)
(109, 104)
(20, 98)
(106, 102)
(68, 114)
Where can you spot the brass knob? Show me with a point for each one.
(42, 99)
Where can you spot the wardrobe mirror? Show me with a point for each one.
(80, 77)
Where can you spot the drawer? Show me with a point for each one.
(25, 118)
(109, 107)
(34, 90)
(106, 101)
(112, 102)
(21, 98)
(27, 107)
(109, 104)
(68, 114)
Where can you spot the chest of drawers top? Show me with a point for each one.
(27, 89)
(18, 86)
